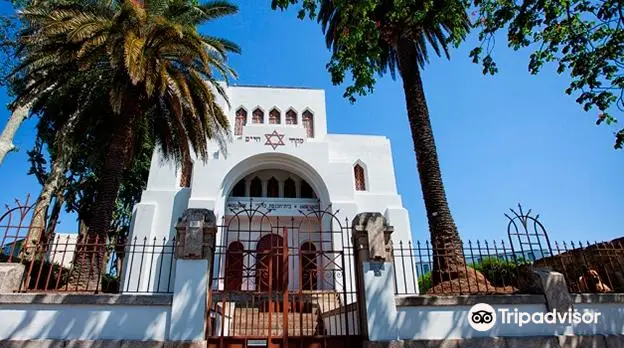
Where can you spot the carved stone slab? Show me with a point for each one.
(196, 230)
(555, 289)
(371, 235)
(10, 277)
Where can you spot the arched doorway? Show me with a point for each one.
(234, 266)
(308, 266)
(271, 266)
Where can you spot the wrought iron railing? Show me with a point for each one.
(66, 263)
(496, 267)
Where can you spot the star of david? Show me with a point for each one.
(274, 139)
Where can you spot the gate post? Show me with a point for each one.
(374, 269)
(194, 250)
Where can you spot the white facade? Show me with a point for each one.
(264, 150)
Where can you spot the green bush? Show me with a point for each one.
(424, 282)
(499, 271)
(110, 284)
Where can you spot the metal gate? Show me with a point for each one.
(282, 281)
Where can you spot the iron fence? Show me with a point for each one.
(496, 267)
(63, 263)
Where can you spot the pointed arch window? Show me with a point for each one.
(258, 116)
(272, 188)
(255, 189)
(234, 266)
(360, 181)
(306, 190)
(308, 266)
(308, 123)
(274, 117)
(240, 121)
(290, 190)
(291, 117)
(239, 189)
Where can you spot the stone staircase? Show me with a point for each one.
(304, 319)
(252, 322)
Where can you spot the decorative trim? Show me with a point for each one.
(86, 299)
(597, 298)
(466, 300)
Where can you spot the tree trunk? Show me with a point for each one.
(53, 182)
(91, 257)
(186, 172)
(38, 222)
(448, 258)
(59, 200)
(6, 139)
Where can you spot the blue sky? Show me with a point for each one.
(503, 140)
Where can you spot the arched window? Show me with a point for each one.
(240, 121)
(255, 189)
(308, 266)
(274, 117)
(308, 123)
(306, 190)
(239, 189)
(272, 188)
(234, 266)
(291, 117)
(290, 191)
(270, 266)
(258, 116)
(360, 181)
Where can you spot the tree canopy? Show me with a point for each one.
(362, 49)
(581, 37)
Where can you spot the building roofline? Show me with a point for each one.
(277, 87)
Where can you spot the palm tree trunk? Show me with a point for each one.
(186, 172)
(448, 259)
(91, 256)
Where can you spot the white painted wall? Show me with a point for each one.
(84, 322)
(62, 249)
(326, 162)
(386, 322)
(341, 324)
(188, 310)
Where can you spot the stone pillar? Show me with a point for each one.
(195, 235)
(374, 274)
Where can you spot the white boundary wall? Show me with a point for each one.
(388, 322)
(63, 318)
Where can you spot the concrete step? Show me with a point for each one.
(252, 322)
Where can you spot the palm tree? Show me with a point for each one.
(145, 55)
(404, 43)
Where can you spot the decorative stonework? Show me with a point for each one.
(371, 236)
(10, 277)
(274, 139)
(195, 237)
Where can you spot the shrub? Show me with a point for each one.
(110, 284)
(424, 282)
(499, 271)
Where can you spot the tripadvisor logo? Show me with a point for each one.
(482, 317)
